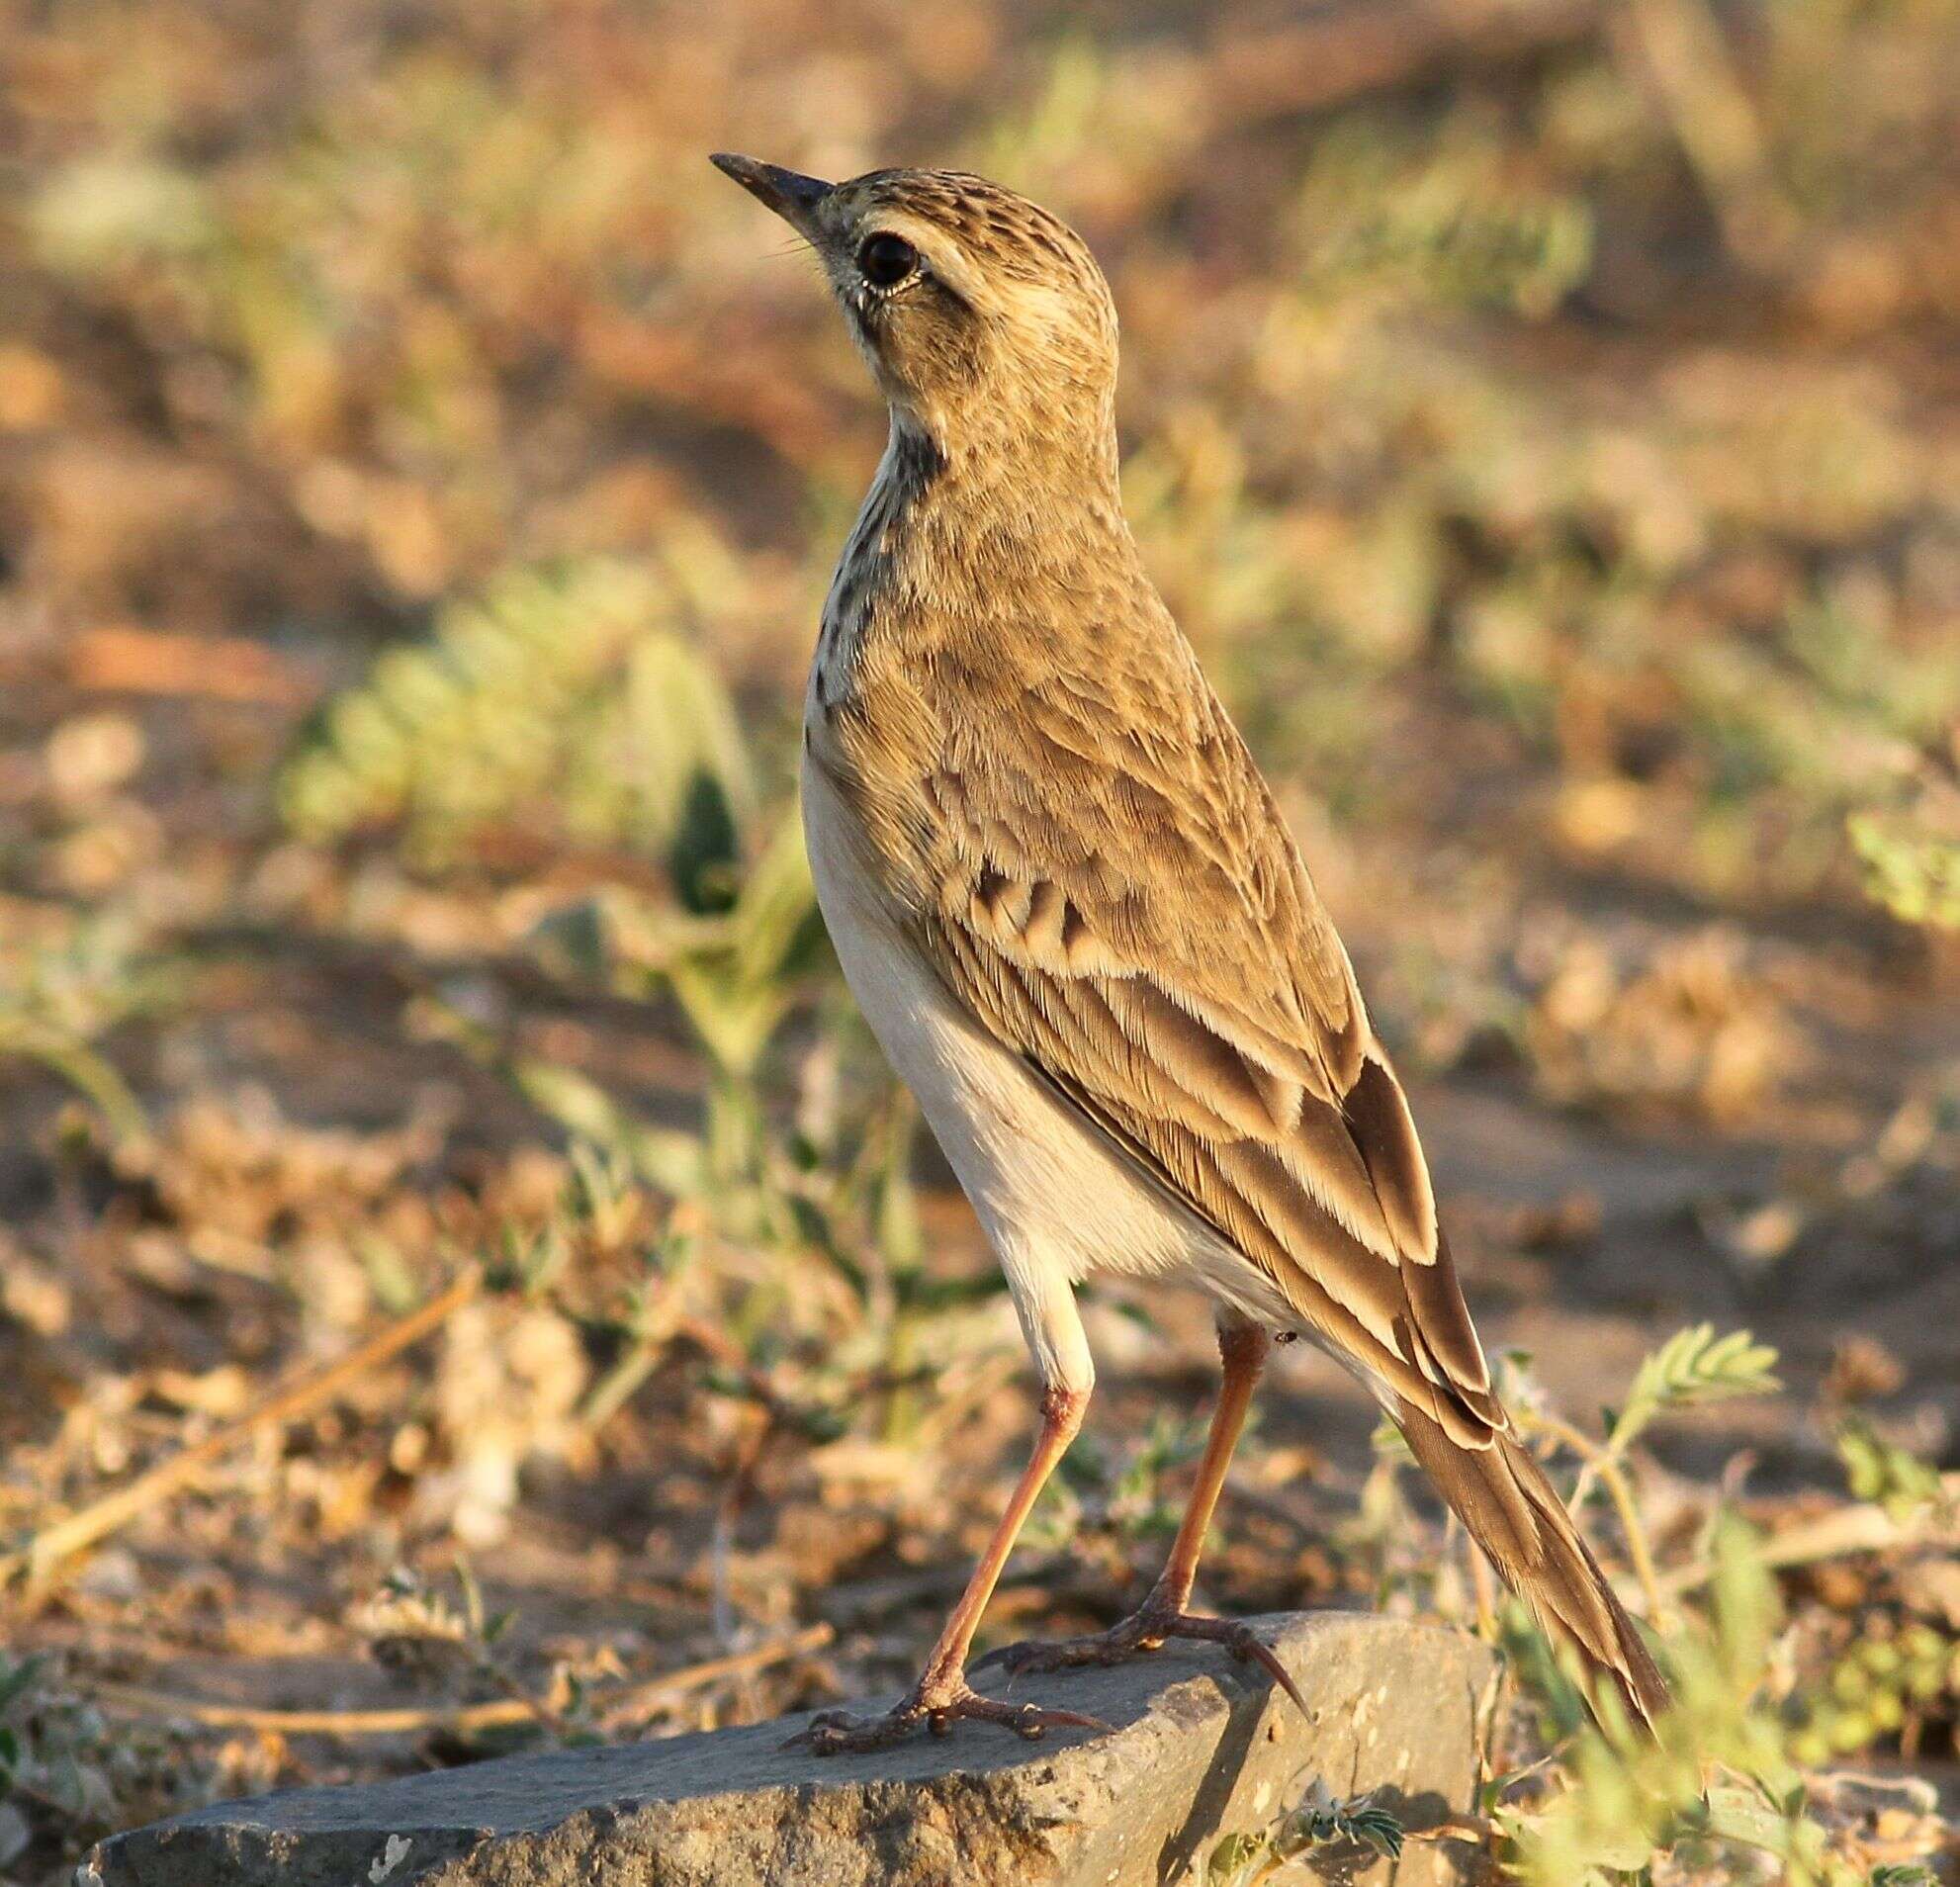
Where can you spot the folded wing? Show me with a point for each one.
(1127, 910)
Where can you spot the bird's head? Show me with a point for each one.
(984, 319)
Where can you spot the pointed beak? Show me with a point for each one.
(792, 197)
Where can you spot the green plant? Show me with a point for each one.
(1721, 1771)
(1120, 1494)
(1624, 1796)
(68, 1776)
(413, 1628)
(66, 983)
(563, 704)
(1319, 1820)
(1877, 1469)
(1395, 208)
(1886, 1675)
(566, 706)
(1892, 1670)
(1693, 1366)
(1911, 859)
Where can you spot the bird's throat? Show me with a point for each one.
(949, 540)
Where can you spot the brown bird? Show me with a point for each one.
(1064, 898)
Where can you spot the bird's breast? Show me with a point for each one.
(1050, 1189)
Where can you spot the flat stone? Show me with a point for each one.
(1200, 1748)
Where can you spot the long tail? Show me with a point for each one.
(1501, 1495)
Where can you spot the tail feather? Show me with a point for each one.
(1502, 1497)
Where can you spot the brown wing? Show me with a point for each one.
(1097, 873)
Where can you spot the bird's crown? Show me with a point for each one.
(981, 313)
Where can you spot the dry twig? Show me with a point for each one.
(113, 1511)
(139, 1700)
(1676, 48)
(1865, 1527)
(1330, 58)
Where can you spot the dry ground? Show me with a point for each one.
(1572, 512)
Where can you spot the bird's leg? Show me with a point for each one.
(1242, 1348)
(942, 1696)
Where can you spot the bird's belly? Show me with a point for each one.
(1049, 1188)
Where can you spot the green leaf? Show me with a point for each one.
(1234, 1852)
(1915, 872)
(17, 1678)
(1694, 1366)
(1375, 1828)
(1879, 1470)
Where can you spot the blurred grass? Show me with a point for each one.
(1458, 386)
(419, 478)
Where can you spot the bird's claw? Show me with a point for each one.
(839, 1732)
(1145, 1631)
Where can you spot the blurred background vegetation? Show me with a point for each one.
(418, 476)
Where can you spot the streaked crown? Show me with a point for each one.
(982, 314)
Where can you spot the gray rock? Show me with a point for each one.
(1202, 1747)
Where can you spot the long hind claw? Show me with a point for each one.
(1146, 1630)
(839, 1732)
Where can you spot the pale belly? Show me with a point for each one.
(1057, 1199)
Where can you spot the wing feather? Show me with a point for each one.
(1097, 873)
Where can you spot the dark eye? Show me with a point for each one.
(886, 260)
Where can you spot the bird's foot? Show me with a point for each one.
(934, 1705)
(1144, 1630)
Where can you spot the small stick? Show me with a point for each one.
(1486, 1589)
(1861, 1527)
(116, 1510)
(1612, 1474)
(1678, 47)
(135, 1699)
(123, 659)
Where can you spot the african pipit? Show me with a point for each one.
(1063, 896)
